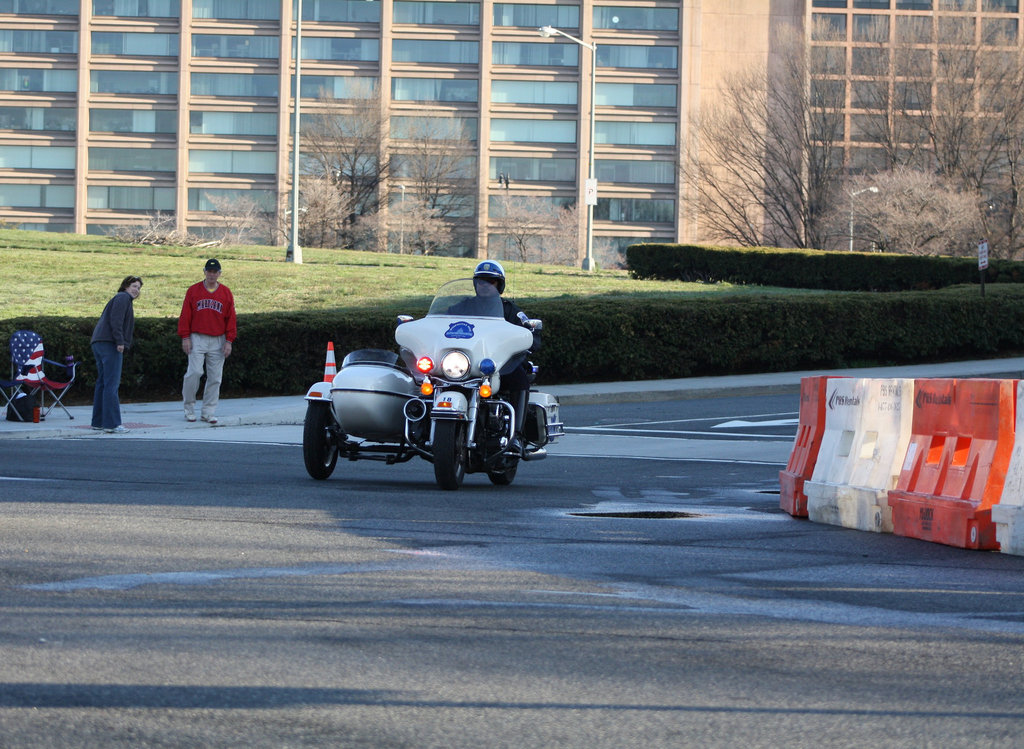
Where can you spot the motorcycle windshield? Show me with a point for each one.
(467, 298)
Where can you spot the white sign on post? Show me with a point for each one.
(982, 254)
(590, 192)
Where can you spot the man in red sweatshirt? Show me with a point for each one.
(207, 327)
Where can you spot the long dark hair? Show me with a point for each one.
(128, 281)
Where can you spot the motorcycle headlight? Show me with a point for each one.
(455, 365)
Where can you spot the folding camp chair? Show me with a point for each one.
(28, 364)
(9, 390)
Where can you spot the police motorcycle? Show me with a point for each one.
(439, 398)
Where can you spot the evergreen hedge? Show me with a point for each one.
(591, 340)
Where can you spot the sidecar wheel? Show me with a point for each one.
(449, 454)
(506, 475)
(319, 450)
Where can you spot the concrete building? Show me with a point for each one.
(112, 110)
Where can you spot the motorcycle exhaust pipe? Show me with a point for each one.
(414, 409)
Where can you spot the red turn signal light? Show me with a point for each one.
(427, 388)
(424, 364)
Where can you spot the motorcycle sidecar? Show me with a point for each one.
(368, 395)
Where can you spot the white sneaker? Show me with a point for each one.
(119, 429)
(210, 419)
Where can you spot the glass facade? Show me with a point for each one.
(43, 42)
(133, 120)
(235, 45)
(133, 43)
(38, 118)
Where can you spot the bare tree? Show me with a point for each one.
(242, 219)
(343, 146)
(914, 212)
(436, 156)
(765, 163)
(408, 227)
(323, 209)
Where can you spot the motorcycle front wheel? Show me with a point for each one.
(449, 454)
(319, 450)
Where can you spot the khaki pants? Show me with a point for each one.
(208, 352)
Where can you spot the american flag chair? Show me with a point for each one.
(28, 363)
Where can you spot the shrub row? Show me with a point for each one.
(813, 269)
(593, 341)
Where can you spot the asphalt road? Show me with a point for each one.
(640, 587)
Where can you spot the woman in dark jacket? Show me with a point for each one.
(110, 338)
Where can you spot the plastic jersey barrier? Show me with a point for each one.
(1008, 515)
(805, 448)
(956, 462)
(867, 430)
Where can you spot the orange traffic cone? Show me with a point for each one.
(330, 369)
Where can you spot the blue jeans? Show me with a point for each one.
(106, 407)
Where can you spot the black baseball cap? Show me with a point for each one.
(213, 264)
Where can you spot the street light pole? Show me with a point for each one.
(294, 253)
(589, 189)
(401, 233)
(852, 196)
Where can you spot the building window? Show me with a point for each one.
(828, 27)
(135, 8)
(970, 5)
(40, 7)
(37, 157)
(253, 10)
(112, 43)
(871, 4)
(635, 133)
(632, 56)
(133, 121)
(348, 50)
(232, 123)
(541, 54)
(533, 131)
(533, 169)
(437, 52)
(37, 79)
(533, 92)
(341, 11)
(1000, 6)
(403, 128)
(828, 60)
(133, 82)
(234, 84)
(636, 95)
(874, 28)
(45, 42)
(337, 87)
(913, 4)
(38, 118)
(37, 196)
(654, 19)
(232, 162)
(133, 159)
(624, 171)
(433, 89)
(437, 14)
(207, 199)
(829, 4)
(635, 210)
(914, 29)
(101, 197)
(999, 31)
(234, 45)
(496, 209)
(870, 61)
(529, 16)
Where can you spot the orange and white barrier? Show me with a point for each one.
(805, 448)
(330, 368)
(1008, 515)
(867, 430)
(956, 462)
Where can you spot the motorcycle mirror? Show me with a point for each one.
(536, 324)
(404, 319)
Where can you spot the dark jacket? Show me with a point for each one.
(117, 323)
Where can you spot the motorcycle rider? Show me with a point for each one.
(515, 385)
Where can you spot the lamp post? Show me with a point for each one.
(852, 196)
(401, 233)
(590, 188)
(294, 253)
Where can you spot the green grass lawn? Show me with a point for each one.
(48, 274)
